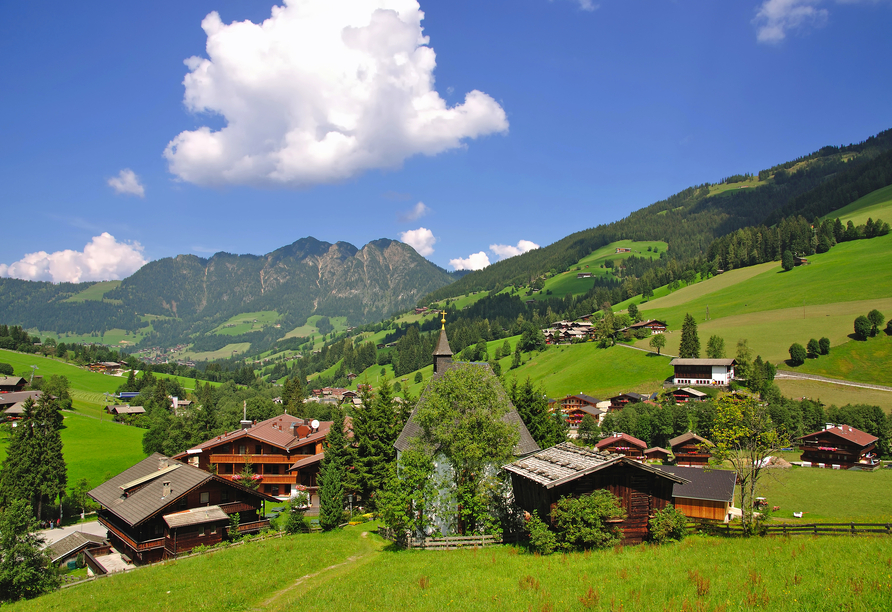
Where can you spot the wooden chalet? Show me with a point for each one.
(623, 444)
(686, 394)
(703, 372)
(840, 447)
(618, 402)
(656, 454)
(584, 275)
(107, 367)
(799, 261)
(691, 450)
(272, 447)
(11, 384)
(655, 327)
(13, 404)
(567, 470)
(623, 250)
(160, 508)
(709, 494)
(575, 407)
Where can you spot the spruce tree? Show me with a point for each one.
(376, 427)
(532, 407)
(690, 341)
(331, 475)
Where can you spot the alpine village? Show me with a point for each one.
(688, 408)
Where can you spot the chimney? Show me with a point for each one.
(176, 402)
(165, 489)
(292, 428)
(162, 463)
(246, 424)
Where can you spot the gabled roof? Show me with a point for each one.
(313, 459)
(137, 493)
(586, 398)
(12, 380)
(8, 399)
(688, 437)
(623, 437)
(712, 485)
(631, 395)
(526, 444)
(690, 391)
(702, 362)
(73, 543)
(566, 462)
(847, 433)
(656, 449)
(275, 431)
(595, 412)
(195, 516)
(127, 409)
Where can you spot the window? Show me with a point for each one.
(275, 491)
(201, 530)
(159, 530)
(184, 502)
(193, 460)
(214, 529)
(204, 497)
(224, 496)
(258, 449)
(242, 449)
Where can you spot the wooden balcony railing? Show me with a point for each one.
(138, 546)
(233, 507)
(255, 459)
(268, 478)
(253, 526)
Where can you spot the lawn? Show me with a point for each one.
(876, 205)
(830, 495)
(96, 293)
(868, 361)
(78, 377)
(246, 322)
(839, 395)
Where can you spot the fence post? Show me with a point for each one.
(815, 525)
(853, 528)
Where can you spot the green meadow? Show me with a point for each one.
(246, 322)
(832, 394)
(354, 569)
(865, 361)
(461, 301)
(96, 292)
(80, 378)
(875, 205)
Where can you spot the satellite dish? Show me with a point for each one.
(314, 424)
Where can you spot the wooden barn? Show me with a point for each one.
(623, 444)
(840, 447)
(709, 494)
(656, 455)
(686, 394)
(691, 450)
(567, 470)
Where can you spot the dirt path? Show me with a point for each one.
(638, 348)
(784, 374)
(316, 579)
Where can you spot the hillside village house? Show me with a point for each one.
(575, 407)
(623, 444)
(13, 404)
(839, 447)
(567, 470)
(703, 372)
(691, 450)
(160, 508)
(284, 451)
(11, 384)
(654, 326)
(686, 394)
(656, 454)
(618, 402)
(709, 494)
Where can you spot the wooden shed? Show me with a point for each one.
(623, 444)
(567, 470)
(708, 495)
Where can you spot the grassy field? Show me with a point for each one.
(354, 569)
(96, 293)
(79, 378)
(236, 348)
(856, 360)
(566, 282)
(844, 495)
(839, 395)
(246, 322)
(457, 303)
(773, 309)
(876, 205)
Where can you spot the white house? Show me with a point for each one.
(703, 372)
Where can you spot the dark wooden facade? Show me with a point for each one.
(843, 447)
(625, 445)
(640, 493)
(691, 450)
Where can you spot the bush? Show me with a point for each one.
(814, 348)
(797, 353)
(6, 369)
(876, 319)
(581, 522)
(862, 327)
(668, 525)
(824, 345)
(542, 539)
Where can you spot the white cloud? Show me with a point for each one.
(474, 261)
(103, 258)
(421, 239)
(504, 251)
(319, 92)
(127, 182)
(587, 5)
(775, 17)
(415, 213)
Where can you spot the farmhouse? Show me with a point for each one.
(655, 327)
(107, 367)
(703, 372)
(618, 402)
(584, 275)
(709, 495)
(623, 250)
(799, 261)
(567, 470)
(11, 384)
(13, 404)
(575, 415)
(656, 454)
(686, 394)
(840, 447)
(160, 508)
(623, 444)
(273, 448)
(691, 450)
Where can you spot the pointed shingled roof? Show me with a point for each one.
(442, 349)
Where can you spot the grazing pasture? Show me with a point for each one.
(829, 393)
(866, 361)
(96, 292)
(246, 322)
(875, 205)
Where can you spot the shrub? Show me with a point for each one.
(797, 354)
(814, 348)
(824, 345)
(581, 522)
(876, 319)
(668, 525)
(862, 327)
(542, 539)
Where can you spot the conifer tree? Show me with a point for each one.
(331, 475)
(532, 407)
(25, 570)
(376, 427)
(690, 341)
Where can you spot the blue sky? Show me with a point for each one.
(540, 118)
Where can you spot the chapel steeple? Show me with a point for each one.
(442, 353)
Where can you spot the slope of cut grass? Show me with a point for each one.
(95, 293)
(78, 377)
(875, 205)
(868, 361)
(829, 393)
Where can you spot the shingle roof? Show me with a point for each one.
(127, 409)
(11, 380)
(73, 543)
(307, 461)
(195, 516)
(585, 398)
(623, 437)
(701, 362)
(848, 433)
(656, 449)
(687, 437)
(442, 345)
(566, 462)
(275, 431)
(8, 399)
(411, 429)
(713, 485)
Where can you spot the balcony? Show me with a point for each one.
(138, 546)
(255, 459)
(268, 478)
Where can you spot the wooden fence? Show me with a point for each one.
(789, 529)
(447, 543)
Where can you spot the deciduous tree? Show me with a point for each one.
(658, 341)
(715, 347)
(863, 327)
(797, 354)
(876, 319)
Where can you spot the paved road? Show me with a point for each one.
(848, 383)
(54, 535)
